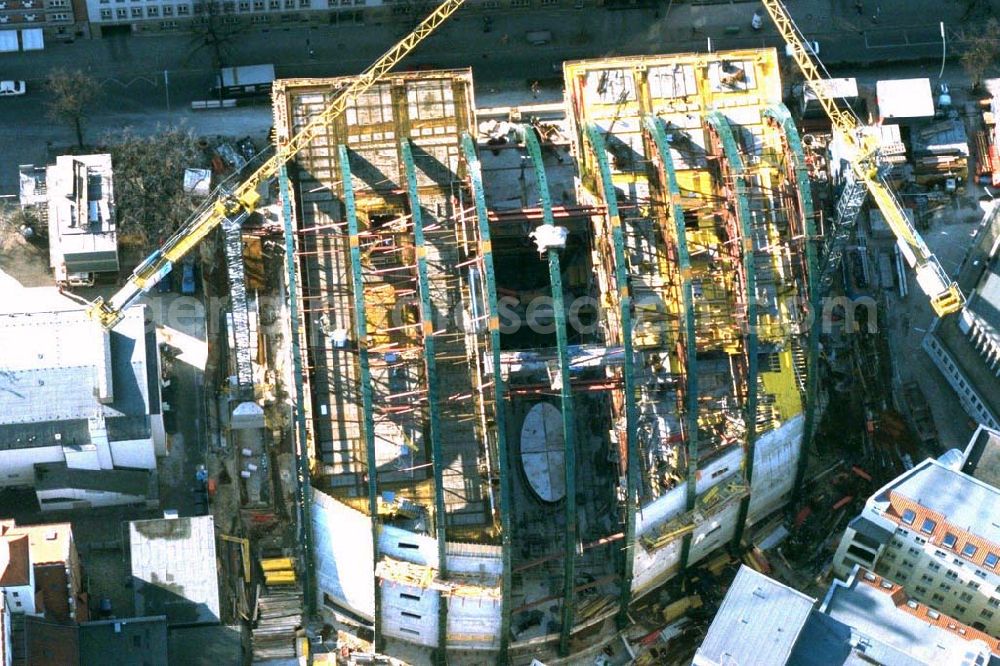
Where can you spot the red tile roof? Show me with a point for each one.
(14, 561)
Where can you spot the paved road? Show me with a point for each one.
(149, 81)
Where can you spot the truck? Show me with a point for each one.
(245, 81)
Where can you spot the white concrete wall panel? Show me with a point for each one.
(343, 550)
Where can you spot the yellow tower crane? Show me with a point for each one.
(236, 203)
(863, 144)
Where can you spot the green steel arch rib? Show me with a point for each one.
(569, 434)
(732, 154)
(780, 114)
(301, 446)
(658, 132)
(367, 399)
(599, 148)
(430, 368)
(499, 387)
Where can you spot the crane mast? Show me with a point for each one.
(863, 145)
(238, 202)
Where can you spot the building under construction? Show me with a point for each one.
(538, 378)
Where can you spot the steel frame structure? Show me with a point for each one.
(732, 170)
(566, 393)
(430, 367)
(499, 386)
(597, 145)
(367, 398)
(656, 129)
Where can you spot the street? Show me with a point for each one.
(149, 81)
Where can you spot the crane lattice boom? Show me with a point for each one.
(241, 200)
(863, 144)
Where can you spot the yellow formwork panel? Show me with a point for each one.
(783, 386)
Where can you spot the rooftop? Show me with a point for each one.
(899, 629)
(58, 476)
(134, 641)
(15, 561)
(81, 213)
(49, 543)
(173, 569)
(759, 621)
(962, 500)
(982, 456)
(904, 98)
(59, 370)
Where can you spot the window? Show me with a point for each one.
(304, 3)
(939, 553)
(986, 613)
(937, 597)
(914, 551)
(965, 596)
(900, 576)
(244, 5)
(228, 7)
(258, 5)
(949, 539)
(121, 13)
(991, 560)
(960, 609)
(106, 14)
(934, 566)
(898, 543)
(945, 587)
(137, 12)
(274, 4)
(972, 585)
(969, 550)
(920, 540)
(183, 10)
(907, 564)
(994, 602)
(928, 527)
(152, 12)
(168, 10)
(926, 578)
(957, 562)
(909, 516)
(951, 574)
(17, 603)
(920, 589)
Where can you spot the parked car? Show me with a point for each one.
(12, 88)
(189, 284)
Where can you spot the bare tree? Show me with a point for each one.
(72, 92)
(982, 53)
(210, 30)
(149, 183)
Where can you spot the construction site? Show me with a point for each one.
(525, 384)
(542, 377)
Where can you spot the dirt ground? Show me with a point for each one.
(27, 262)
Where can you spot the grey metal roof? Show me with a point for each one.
(50, 364)
(966, 502)
(982, 456)
(863, 526)
(56, 476)
(134, 641)
(173, 569)
(888, 635)
(758, 622)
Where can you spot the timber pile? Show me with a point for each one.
(279, 617)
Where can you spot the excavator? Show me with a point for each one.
(234, 200)
(867, 178)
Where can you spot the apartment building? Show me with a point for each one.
(118, 16)
(866, 619)
(40, 571)
(24, 24)
(935, 530)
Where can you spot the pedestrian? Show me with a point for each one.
(878, 12)
(859, 7)
(535, 89)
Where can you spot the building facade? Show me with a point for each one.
(966, 348)
(933, 531)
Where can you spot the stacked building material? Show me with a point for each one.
(279, 618)
(941, 151)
